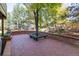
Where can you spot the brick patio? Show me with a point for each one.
(23, 45)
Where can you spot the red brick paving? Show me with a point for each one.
(23, 45)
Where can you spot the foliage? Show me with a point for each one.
(20, 16)
(49, 15)
(47, 11)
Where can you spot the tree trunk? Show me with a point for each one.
(36, 21)
(17, 25)
(40, 23)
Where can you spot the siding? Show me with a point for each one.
(3, 8)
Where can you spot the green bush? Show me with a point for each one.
(60, 31)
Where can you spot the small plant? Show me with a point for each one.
(60, 31)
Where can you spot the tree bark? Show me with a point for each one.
(36, 20)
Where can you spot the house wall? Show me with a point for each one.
(3, 9)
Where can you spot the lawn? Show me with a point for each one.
(1, 32)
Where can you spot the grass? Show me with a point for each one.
(1, 32)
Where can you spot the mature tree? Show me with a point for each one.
(37, 9)
(9, 21)
(73, 9)
(20, 16)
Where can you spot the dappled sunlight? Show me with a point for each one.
(24, 18)
(51, 24)
(75, 33)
